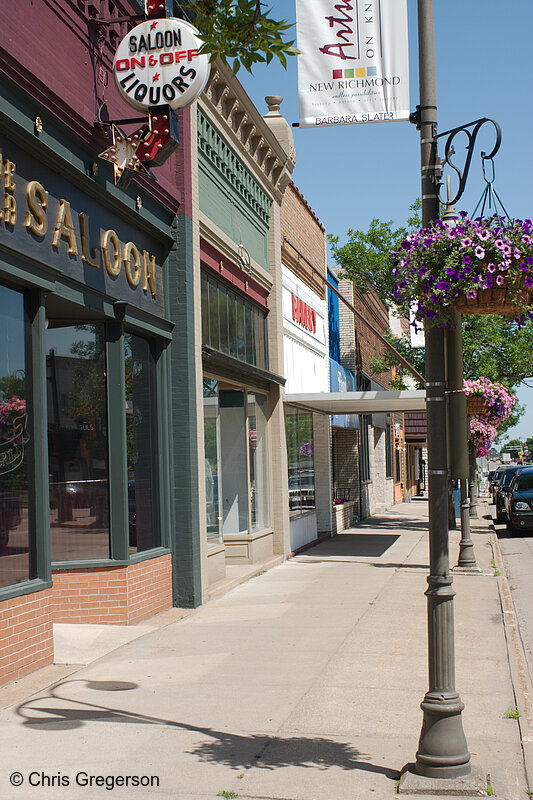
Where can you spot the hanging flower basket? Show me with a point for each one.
(507, 302)
(481, 266)
(476, 404)
(488, 400)
(488, 404)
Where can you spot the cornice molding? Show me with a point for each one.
(246, 131)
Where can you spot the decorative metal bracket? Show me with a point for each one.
(449, 151)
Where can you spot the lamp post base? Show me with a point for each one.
(442, 749)
(473, 785)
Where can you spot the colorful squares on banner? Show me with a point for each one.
(359, 72)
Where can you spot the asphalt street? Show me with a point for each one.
(517, 552)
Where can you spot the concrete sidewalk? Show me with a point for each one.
(302, 684)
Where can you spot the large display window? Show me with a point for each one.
(300, 457)
(212, 462)
(141, 437)
(236, 461)
(16, 528)
(102, 407)
(77, 442)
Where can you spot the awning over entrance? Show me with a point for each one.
(360, 402)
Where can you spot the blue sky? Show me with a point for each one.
(353, 173)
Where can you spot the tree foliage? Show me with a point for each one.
(240, 31)
(497, 348)
(367, 257)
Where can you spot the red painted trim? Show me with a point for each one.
(231, 273)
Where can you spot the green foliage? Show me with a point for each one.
(367, 258)
(13, 386)
(240, 31)
(497, 348)
(387, 361)
(513, 713)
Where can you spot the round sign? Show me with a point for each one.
(159, 63)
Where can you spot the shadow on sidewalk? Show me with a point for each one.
(353, 544)
(385, 523)
(261, 751)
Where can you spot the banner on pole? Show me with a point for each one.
(354, 64)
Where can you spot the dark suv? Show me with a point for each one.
(519, 501)
(498, 472)
(502, 490)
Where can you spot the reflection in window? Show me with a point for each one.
(388, 452)
(300, 457)
(77, 442)
(233, 461)
(15, 447)
(365, 447)
(258, 449)
(212, 471)
(141, 433)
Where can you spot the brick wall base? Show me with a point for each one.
(26, 635)
(113, 595)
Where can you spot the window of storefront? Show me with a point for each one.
(258, 458)
(77, 442)
(365, 451)
(397, 456)
(388, 452)
(300, 456)
(16, 528)
(236, 461)
(233, 325)
(212, 462)
(102, 431)
(141, 434)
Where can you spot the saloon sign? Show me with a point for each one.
(159, 63)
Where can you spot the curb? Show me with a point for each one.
(517, 661)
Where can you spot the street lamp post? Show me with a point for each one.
(442, 750)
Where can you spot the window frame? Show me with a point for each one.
(117, 451)
(39, 540)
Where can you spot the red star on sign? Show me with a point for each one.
(152, 26)
(123, 153)
(156, 76)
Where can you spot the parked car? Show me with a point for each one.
(498, 472)
(519, 501)
(502, 490)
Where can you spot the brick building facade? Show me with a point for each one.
(306, 350)
(377, 483)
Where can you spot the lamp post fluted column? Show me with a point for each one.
(442, 750)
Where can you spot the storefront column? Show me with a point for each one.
(185, 530)
(323, 499)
